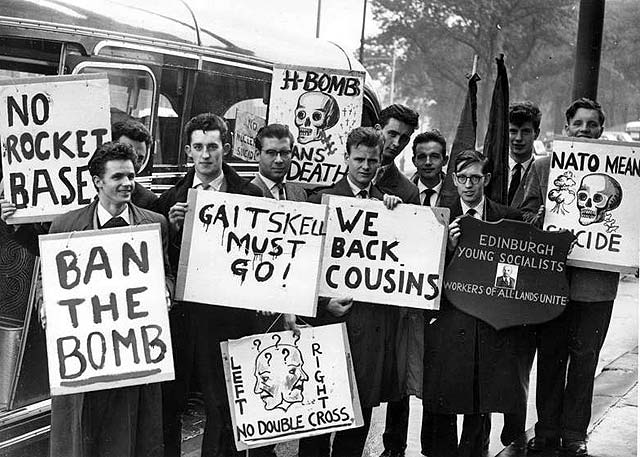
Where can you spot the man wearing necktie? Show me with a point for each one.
(429, 156)
(470, 368)
(198, 329)
(125, 421)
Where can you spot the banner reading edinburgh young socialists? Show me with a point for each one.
(594, 190)
(283, 387)
(320, 106)
(49, 128)
(107, 319)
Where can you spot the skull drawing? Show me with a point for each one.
(598, 194)
(315, 113)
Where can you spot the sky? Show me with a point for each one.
(340, 20)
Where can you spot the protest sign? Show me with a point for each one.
(253, 253)
(390, 257)
(282, 387)
(508, 273)
(593, 189)
(104, 298)
(52, 127)
(321, 106)
(247, 126)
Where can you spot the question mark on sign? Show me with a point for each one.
(256, 343)
(273, 337)
(268, 357)
(296, 338)
(286, 354)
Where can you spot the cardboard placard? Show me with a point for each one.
(593, 191)
(390, 257)
(320, 106)
(247, 126)
(107, 319)
(282, 387)
(253, 253)
(508, 273)
(52, 126)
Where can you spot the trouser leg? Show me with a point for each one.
(394, 437)
(439, 434)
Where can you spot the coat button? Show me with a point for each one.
(461, 333)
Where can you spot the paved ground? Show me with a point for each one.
(613, 431)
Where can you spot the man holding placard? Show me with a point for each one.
(574, 339)
(125, 421)
(198, 329)
(470, 368)
(371, 328)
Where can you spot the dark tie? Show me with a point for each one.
(115, 222)
(427, 197)
(363, 194)
(281, 195)
(515, 181)
(205, 186)
(472, 212)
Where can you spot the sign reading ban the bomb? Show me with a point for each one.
(104, 298)
(376, 255)
(320, 106)
(260, 253)
(49, 129)
(593, 191)
(508, 273)
(282, 387)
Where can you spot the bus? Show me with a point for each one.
(165, 64)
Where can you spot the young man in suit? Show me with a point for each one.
(198, 329)
(575, 338)
(524, 128)
(371, 328)
(397, 124)
(136, 134)
(126, 421)
(470, 368)
(429, 156)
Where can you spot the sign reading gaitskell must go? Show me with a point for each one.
(593, 190)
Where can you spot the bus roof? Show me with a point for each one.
(172, 24)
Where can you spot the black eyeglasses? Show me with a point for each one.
(462, 179)
(284, 154)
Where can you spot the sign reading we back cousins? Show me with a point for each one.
(320, 106)
(49, 128)
(593, 191)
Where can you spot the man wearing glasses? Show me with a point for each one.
(197, 329)
(470, 368)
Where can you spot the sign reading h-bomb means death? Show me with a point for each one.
(320, 106)
(283, 387)
(49, 128)
(104, 298)
(593, 190)
(508, 273)
(390, 257)
(252, 253)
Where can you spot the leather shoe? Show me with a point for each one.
(390, 453)
(541, 444)
(576, 448)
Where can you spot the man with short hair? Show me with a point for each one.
(575, 338)
(371, 328)
(524, 128)
(429, 156)
(126, 421)
(470, 368)
(397, 124)
(198, 329)
(136, 134)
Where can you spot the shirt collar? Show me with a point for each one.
(103, 215)
(525, 165)
(479, 208)
(270, 184)
(216, 184)
(436, 188)
(356, 190)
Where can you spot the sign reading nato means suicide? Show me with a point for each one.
(49, 128)
(508, 273)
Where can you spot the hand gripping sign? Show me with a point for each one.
(593, 191)
(508, 273)
(107, 319)
(282, 387)
(320, 106)
(49, 129)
